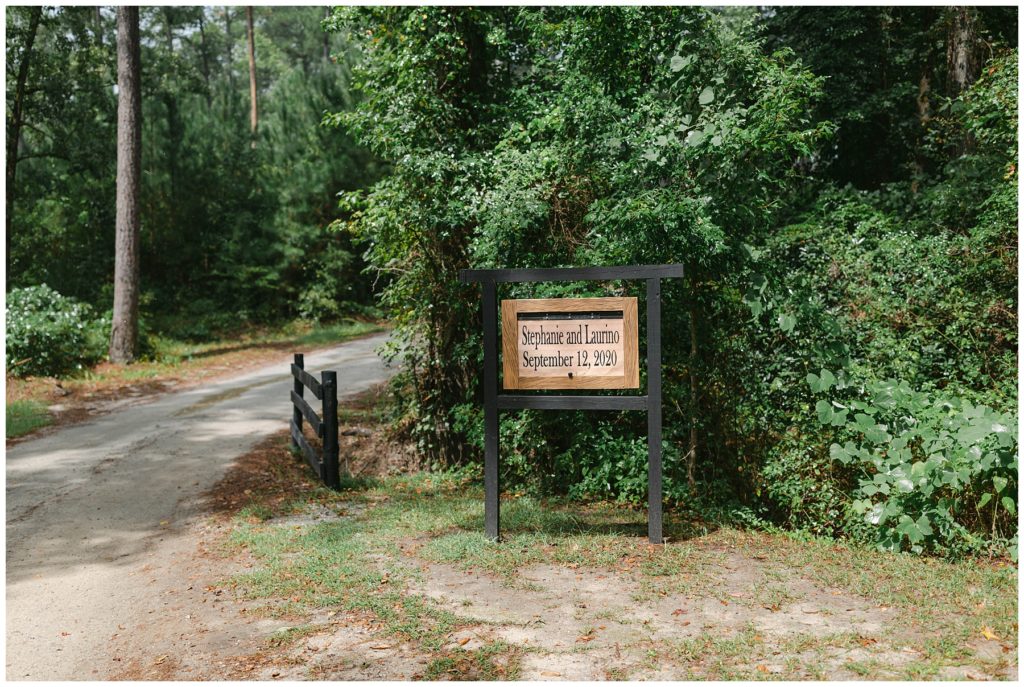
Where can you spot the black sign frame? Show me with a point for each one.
(494, 401)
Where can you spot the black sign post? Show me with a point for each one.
(495, 402)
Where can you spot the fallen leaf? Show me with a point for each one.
(585, 638)
(464, 641)
(548, 673)
(762, 668)
(160, 659)
(678, 611)
(987, 633)
(381, 647)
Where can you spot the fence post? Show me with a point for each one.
(329, 383)
(298, 387)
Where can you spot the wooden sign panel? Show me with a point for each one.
(570, 343)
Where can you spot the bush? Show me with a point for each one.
(47, 333)
(933, 473)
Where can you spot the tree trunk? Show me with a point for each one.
(125, 329)
(229, 49)
(206, 57)
(327, 42)
(962, 56)
(98, 23)
(15, 119)
(253, 116)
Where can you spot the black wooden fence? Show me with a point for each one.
(325, 425)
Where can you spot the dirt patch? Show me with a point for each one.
(268, 474)
(344, 647)
(365, 447)
(588, 624)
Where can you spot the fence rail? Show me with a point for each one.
(325, 462)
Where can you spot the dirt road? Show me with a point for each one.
(101, 515)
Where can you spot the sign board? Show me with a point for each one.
(570, 343)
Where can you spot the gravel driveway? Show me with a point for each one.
(98, 512)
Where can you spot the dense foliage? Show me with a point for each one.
(234, 227)
(840, 184)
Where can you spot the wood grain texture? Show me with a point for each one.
(630, 379)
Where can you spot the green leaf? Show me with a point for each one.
(824, 410)
(678, 63)
(814, 381)
(827, 379)
(706, 96)
(694, 137)
(1009, 505)
(876, 435)
(839, 418)
(973, 434)
(985, 498)
(786, 323)
(999, 483)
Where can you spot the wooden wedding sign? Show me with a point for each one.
(570, 343)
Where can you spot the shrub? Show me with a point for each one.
(804, 490)
(934, 473)
(47, 332)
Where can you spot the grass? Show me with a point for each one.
(26, 416)
(365, 563)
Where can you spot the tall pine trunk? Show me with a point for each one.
(16, 118)
(253, 116)
(125, 330)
